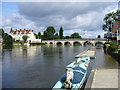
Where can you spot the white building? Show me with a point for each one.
(18, 35)
(116, 30)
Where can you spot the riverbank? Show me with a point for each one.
(114, 54)
(112, 49)
(102, 71)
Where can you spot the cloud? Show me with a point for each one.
(17, 21)
(67, 10)
(85, 18)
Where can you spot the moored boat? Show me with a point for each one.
(79, 61)
(79, 70)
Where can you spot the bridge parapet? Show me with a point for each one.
(75, 40)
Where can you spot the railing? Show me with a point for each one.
(74, 39)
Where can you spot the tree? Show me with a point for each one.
(61, 33)
(99, 36)
(75, 35)
(1, 32)
(108, 21)
(56, 36)
(36, 36)
(39, 35)
(7, 39)
(48, 34)
(50, 29)
(66, 37)
(25, 37)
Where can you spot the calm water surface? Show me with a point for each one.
(36, 66)
(41, 66)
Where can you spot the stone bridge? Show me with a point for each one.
(82, 42)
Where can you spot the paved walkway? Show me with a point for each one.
(104, 74)
(105, 78)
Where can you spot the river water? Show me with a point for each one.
(42, 66)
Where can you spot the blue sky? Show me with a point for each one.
(84, 18)
(9, 8)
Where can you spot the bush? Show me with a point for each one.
(113, 46)
(19, 42)
(119, 51)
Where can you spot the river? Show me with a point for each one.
(42, 66)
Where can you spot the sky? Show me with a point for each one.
(85, 18)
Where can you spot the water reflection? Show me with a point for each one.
(104, 60)
(35, 66)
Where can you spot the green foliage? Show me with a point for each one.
(36, 36)
(61, 33)
(19, 42)
(7, 39)
(66, 37)
(50, 29)
(25, 37)
(39, 35)
(48, 34)
(56, 36)
(113, 46)
(45, 35)
(99, 36)
(75, 35)
(1, 32)
(109, 19)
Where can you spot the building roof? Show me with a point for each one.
(116, 26)
(21, 31)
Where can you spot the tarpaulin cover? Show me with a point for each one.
(79, 68)
(77, 78)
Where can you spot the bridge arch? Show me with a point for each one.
(87, 43)
(98, 42)
(67, 43)
(51, 43)
(76, 43)
(59, 43)
(46, 43)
